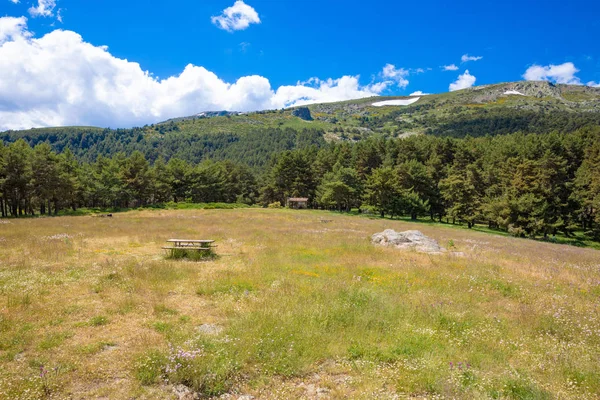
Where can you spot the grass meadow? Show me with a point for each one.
(291, 308)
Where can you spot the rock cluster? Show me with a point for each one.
(302, 113)
(407, 240)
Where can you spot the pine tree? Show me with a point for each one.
(586, 191)
(181, 179)
(161, 182)
(382, 190)
(3, 205)
(136, 179)
(340, 188)
(45, 181)
(18, 175)
(460, 192)
(70, 192)
(416, 186)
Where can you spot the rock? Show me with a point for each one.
(407, 240)
(210, 329)
(183, 392)
(302, 113)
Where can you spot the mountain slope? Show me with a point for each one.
(537, 107)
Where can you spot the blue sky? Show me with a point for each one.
(266, 52)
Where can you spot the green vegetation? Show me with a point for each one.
(528, 185)
(293, 308)
(252, 148)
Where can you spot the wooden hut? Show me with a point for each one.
(297, 203)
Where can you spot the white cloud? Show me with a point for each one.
(593, 84)
(59, 79)
(45, 8)
(451, 67)
(464, 81)
(466, 58)
(14, 1)
(378, 87)
(419, 93)
(12, 28)
(397, 75)
(563, 73)
(237, 17)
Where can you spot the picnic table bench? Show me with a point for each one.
(190, 244)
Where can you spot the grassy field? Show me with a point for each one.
(291, 308)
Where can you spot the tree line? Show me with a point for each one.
(526, 184)
(169, 140)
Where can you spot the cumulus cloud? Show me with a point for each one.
(237, 17)
(593, 84)
(563, 73)
(451, 67)
(466, 58)
(12, 28)
(419, 93)
(464, 81)
(59, 79)
(396, 75)
(45, 8)
(14, 1)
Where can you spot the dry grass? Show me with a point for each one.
(307, 310)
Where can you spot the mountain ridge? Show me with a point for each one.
(503, 108)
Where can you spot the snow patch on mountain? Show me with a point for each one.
(400, 102)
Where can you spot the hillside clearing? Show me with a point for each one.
(90, 308)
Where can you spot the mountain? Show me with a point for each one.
(531, 107)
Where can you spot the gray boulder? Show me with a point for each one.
(302, 113)
(407, 240)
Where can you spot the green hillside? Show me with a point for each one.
(251, 138)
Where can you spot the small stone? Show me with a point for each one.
(209, 329)
(183, 392)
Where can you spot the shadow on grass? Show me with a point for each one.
(191, 255)
(578, 239)
(114, 210)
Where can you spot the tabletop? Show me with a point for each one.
(189, 241)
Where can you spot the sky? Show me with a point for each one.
(129, 63)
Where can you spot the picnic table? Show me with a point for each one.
(190, 244)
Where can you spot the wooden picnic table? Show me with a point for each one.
(190, 244)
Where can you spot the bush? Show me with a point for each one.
(516, 231)
(275, 204)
